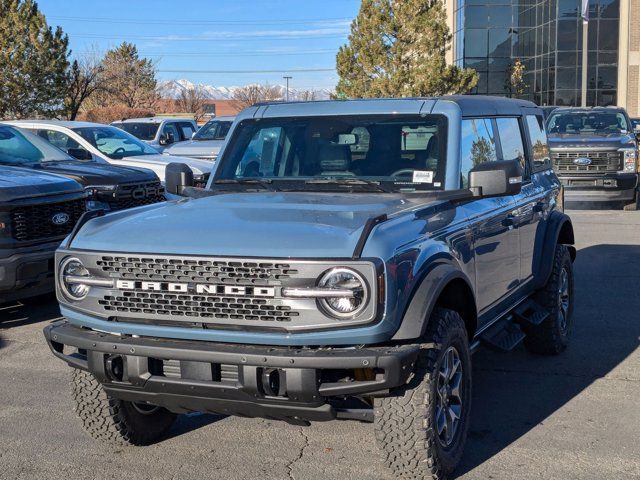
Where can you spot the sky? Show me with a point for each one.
(216, 42)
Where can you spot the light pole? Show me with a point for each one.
(287, 78)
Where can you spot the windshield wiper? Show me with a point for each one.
(347, 182)
(265, 184)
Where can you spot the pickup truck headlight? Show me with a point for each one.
(353, 292)
(71, 275)
(98, 194)
(629, 159)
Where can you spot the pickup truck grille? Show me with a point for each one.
(601, 161)
(36, 222)
(136, 195)
(187, 270)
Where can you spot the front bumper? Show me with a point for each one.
(27, 272)
(600, 188)
(186, 376)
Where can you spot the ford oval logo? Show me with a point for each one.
(582, 161)
(60, 219)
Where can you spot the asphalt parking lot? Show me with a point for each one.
(575, 416)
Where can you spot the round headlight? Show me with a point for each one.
(344, 279)
(71, 273)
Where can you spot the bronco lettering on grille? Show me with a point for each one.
(198, 288)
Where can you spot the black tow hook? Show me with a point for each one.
(114, 367)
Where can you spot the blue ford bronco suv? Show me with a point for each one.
(343, 262)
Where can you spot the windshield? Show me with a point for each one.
(213, 130)
(113, 142)
(587, 123)
(390, 153)
(144, 131)
(22, 148)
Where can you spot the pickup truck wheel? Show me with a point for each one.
(422, 426)
(115, 421)
(552, 335)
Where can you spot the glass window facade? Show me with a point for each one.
(546, 35)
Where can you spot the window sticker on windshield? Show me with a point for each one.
(422, 176)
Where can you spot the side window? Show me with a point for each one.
(478, 145)
(260, 156)
(58, 139)
(170, 129)
(361, 147)
(187, 130)
(539, 146)
(511, 140)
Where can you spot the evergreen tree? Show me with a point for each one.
(397, 49)
(128, 79)
(33, 62)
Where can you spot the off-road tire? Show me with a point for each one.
(633, 206)
(550, 337)
(115, 421)
(405, 422)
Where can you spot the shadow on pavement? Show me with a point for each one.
(190, 422)
(15, 314)
(516, 391)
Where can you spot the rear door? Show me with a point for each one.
(534, 201)
(496, 244)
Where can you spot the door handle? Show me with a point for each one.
(509, 221)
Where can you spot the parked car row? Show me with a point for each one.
(106, 143)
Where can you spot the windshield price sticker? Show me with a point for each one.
(422, 176)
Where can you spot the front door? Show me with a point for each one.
(496, 247)
(496, 242)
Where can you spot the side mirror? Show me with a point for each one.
(166, 139)
(80, 153)
(496, 179)
(193, 134)
(636, 130)
(177, 177)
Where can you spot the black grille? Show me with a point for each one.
(601, 161)
(136, 195)
(197, 306)
(36, 222)
(185, 270)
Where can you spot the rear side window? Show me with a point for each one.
(478, 145)
(540, 149)
(511, 140)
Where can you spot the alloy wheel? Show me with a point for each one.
(449, 401)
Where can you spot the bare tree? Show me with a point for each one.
(85, 80)
(193, 100)
(251, 94)
(307, 95)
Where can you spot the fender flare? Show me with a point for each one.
(559, 230)
(415, 318)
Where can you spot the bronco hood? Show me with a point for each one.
(320, 225)
(610, 141)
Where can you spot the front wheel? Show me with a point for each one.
(422, 426)
(116, 421)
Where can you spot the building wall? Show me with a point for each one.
(629, 75)
(546, 35)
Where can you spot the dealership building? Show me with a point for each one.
(546, 36)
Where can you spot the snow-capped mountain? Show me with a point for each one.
(172, 89)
